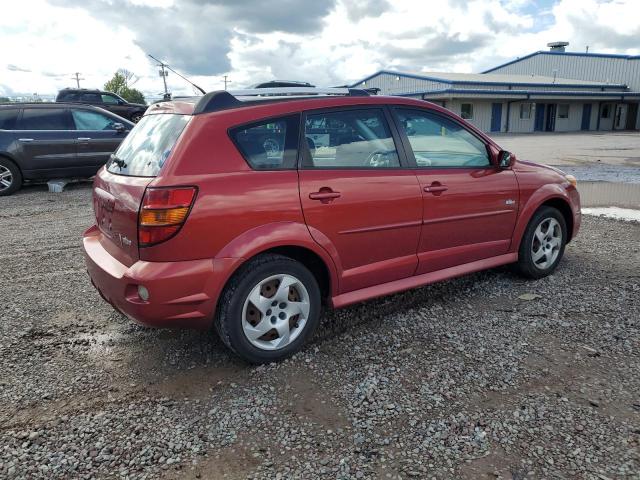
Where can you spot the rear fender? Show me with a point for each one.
(280, 234)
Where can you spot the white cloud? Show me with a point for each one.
(42, 43)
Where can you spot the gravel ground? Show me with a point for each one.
(486, 376)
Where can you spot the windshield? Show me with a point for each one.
(144, 151)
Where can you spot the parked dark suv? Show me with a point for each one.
(40, 141)
(107, 100)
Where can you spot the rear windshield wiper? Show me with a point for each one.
(121, 164)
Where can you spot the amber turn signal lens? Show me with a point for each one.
(572, 180)
(161, 218)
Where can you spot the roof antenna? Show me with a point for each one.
(181, 76)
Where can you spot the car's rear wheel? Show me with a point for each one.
(135, 118)
(269, 309)
(543, 243)
(10, 177)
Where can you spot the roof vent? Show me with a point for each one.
(557, 46)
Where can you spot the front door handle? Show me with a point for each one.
(25, 139)
(436, 188)
(84, 139)
(324, 195)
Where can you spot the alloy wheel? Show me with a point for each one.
(6, 178)
(275, 312)
(546, 243)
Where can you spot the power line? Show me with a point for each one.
(163, 74)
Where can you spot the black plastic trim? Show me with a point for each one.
(216, 101)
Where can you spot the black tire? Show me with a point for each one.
(135, 118)
(526, 264)
(15, 177)
(229, 321)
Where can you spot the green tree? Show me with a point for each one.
(5, 99)
(121, 84)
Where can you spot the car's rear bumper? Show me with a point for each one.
(181, 294)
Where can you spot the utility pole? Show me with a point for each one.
(163, 73)
(226, 81)
(77, 78)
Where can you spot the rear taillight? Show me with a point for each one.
(163, 212)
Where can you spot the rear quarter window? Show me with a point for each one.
(144, 151)
(45, 119)
(269, 144)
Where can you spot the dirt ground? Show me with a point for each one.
(470, 378)
(575, 148)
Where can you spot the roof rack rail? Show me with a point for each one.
(224, 100)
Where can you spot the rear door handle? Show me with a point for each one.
(84, 139)
(324, 195)
(436, 188)
(25, 139)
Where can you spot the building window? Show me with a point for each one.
(525, 111)
(563, 110)
(606, 111)
(466, 111)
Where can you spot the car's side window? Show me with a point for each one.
(90, 98)
(109, 99)
(8, 118)
(87, 120)
(437, 141)
(45, 119)
(349, 139)
(269, 144)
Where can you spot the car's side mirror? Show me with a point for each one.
(506, 159)
(118, 127)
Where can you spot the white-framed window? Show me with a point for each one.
(525, 110)
(466, 111)
(563, 110)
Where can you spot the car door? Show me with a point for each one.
(470, 205)
(98, 136)
(46, 142)
(357, 195)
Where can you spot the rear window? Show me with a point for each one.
(143, 152)
(8, 117)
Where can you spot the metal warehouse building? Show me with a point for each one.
(544, 91)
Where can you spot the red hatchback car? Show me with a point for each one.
(248, 212)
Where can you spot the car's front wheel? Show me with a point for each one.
(269, 308)
(135, 118)
(543, 243)
(10, 177)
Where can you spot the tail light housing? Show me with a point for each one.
(163, 212)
